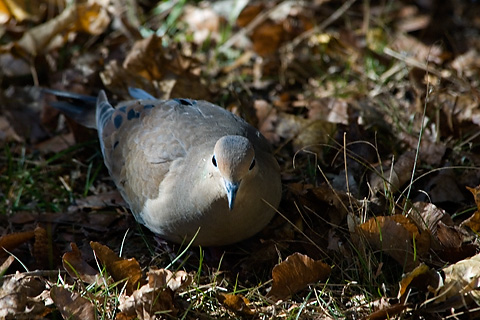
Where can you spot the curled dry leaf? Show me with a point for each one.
(295, 273)
(461, 279)
(6, 264)
(474, 221)
(395, 236)
(155, 296)
(449, 241)
(76, 267)
(119, 268)
(272, 27)
(427, 216)
(11, 241)
(304, 133)
(20, 295)
(422, 277)
(91, 18)
(99, 201)
(431, 152)
(387, 311)
(160, 278)
(203, 22)
(236, 303)
(156, 69)
(443, 187)
(71, 305)
(393, 179)
(7, 131)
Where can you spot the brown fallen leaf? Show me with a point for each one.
(119, 268)
(20, 295)
(90, 18)
(305, 133)
(395, 236)
(474, 221)
(427, 216)
(461, 279)
(7, 131)
(393, 179)
(155, 296)
(6, 264)
(273, 26)
(175, 281)
(450, 242)
(422, 277)
(76, 267)
(295, 273)
(236, 303)
(162, 72)
(203, 22)
(11, 241)
(72, 305)
(99, 201)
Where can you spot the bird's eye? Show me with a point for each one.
(214, 161)
(252, 165)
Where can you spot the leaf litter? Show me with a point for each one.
(374, 122)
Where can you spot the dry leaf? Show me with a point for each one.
(236, 303)
(56, 143)
(71, 305)
(267, 119)
(20, 295)
(430, 152)
(304, 133)
(13, 240)
(119, 268)
(461, 279)
(7, 131)
(204, 23)
(393, 180)
(467, 64)
(155, 296)
(76, 267)
(166, 278)
(474, 221)
(422, 277)
(99, 201)
(6, 264)
(427, 216)
(5, 13)
(394, 235)
(21, 10)
(295, 273)
(161, 72)
(90, 18)
(286, 21)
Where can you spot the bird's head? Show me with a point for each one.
(234, 157)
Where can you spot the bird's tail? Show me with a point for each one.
(79, 107)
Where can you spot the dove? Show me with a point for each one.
(189, 170)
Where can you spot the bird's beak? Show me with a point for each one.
(232, 188)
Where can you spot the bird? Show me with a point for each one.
(190, 171)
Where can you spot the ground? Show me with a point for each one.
(372, 110)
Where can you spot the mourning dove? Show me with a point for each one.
(184, 166)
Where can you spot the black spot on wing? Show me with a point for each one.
(123, 109)
(148, 106)
(186, 102)
(132, 114)
(117, 121)
(115, 144)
